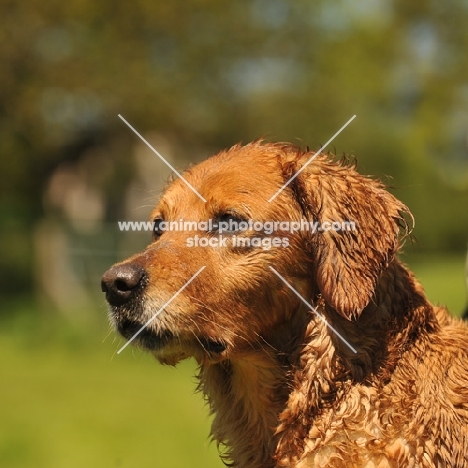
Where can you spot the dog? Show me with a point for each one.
(316, 347)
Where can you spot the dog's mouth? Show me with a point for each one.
(156, 341)
(143, 335)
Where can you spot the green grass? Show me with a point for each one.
(443, 279)
(68, 400)
(82, 405)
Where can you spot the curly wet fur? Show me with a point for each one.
(286, 391)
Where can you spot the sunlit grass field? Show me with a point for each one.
(443, 279)
(68, 400)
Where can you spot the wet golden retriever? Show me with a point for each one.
(316, 346)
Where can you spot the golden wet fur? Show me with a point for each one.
(284, 389)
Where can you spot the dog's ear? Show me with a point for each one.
(362, 234)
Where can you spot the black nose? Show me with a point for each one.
(121, 282)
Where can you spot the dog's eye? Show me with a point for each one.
(158, 228)
(229, 223)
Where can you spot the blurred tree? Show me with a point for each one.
(209, 73)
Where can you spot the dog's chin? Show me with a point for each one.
(205, 351)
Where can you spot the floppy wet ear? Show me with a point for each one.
(361, 224)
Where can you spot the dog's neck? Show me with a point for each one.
(265, 402)
(245, 399)
(248, 392)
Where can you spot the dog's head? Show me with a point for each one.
(253, 253)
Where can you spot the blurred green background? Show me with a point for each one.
(193, 77)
